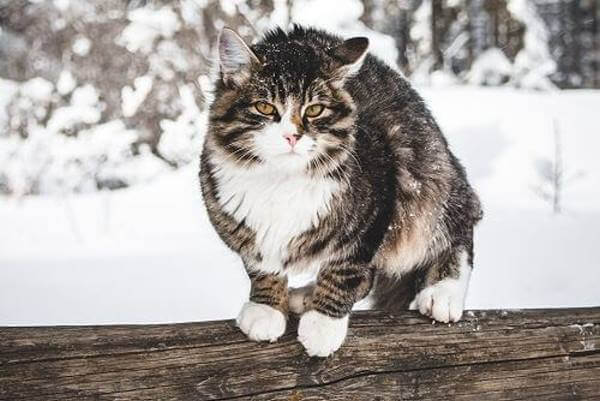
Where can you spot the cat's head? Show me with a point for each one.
(282, 102)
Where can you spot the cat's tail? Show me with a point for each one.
(298, 298)
(393, 294)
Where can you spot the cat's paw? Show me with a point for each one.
(444, 301)
(321, 335)
(261, 322)
(298, 298)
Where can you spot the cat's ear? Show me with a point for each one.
(350, 55)
(235, 57)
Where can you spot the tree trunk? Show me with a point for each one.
(436, 34)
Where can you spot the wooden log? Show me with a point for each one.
(489, 355)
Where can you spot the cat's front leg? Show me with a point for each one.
(263, 317)
(323, 327)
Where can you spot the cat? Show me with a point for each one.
(319, 157)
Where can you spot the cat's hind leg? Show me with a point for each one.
(444, 286)
(263, 317)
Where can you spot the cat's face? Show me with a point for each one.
(283, 104)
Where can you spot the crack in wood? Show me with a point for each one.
(503, 355)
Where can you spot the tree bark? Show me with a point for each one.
(489, 355)
(437, 19)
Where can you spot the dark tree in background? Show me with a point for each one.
(579, 65)
(84, 40)
(439, 25)
(506, 32)
(573, 25)
(84, 57)
(38, 40)
(461, 30)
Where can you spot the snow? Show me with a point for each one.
(132, 98)
(420, 33)
(149, 254)
(137, 255)
(167, 58)
(533, 63)
(81, 46)
(324, 13)
(191, 11)
(57, 164)
(345, 21)
(229, 7)
(83, 109)
(8, 89)
(539, 261)
(492, 67)
(51, 159)
(85, 95)
(37, 89)
(62, 5)
(181, 138)
(146, 25)
(441, 78)
(66, 82)
(502, 132)
(280, 15)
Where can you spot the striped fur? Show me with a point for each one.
(369, 194)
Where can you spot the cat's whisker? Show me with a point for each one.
(236, 156)
(352, 153)
(239, 155)
(335, 164)
(346, 206)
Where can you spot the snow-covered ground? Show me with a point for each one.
(149, 254)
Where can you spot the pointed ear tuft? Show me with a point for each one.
(235, 56)
(352, 50)
(349, 57)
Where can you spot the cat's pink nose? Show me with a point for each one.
(291, 139)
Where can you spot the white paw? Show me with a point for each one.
(261, 322)
(444, 301)
(321, 335)
(298, 297)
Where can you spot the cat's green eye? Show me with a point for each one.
(314, 110)
(265, 108)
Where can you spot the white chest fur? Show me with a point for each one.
(278, 205)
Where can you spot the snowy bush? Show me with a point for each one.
(55, 145)
(97, 122)
(420, 34)
(147, 24)
(130, 79)
(181, 138)
(492, 67)
(533, 64)
(121, 93)
(133, 98)
(344, 21)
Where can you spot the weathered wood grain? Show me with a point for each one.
(490, 355)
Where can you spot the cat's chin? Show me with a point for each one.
(289, 161)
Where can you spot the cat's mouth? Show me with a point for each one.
(290, 160)
(291, 154)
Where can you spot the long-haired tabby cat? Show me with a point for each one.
(320, 157)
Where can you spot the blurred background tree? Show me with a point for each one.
(106, 94)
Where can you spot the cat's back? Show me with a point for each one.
(384, 95)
